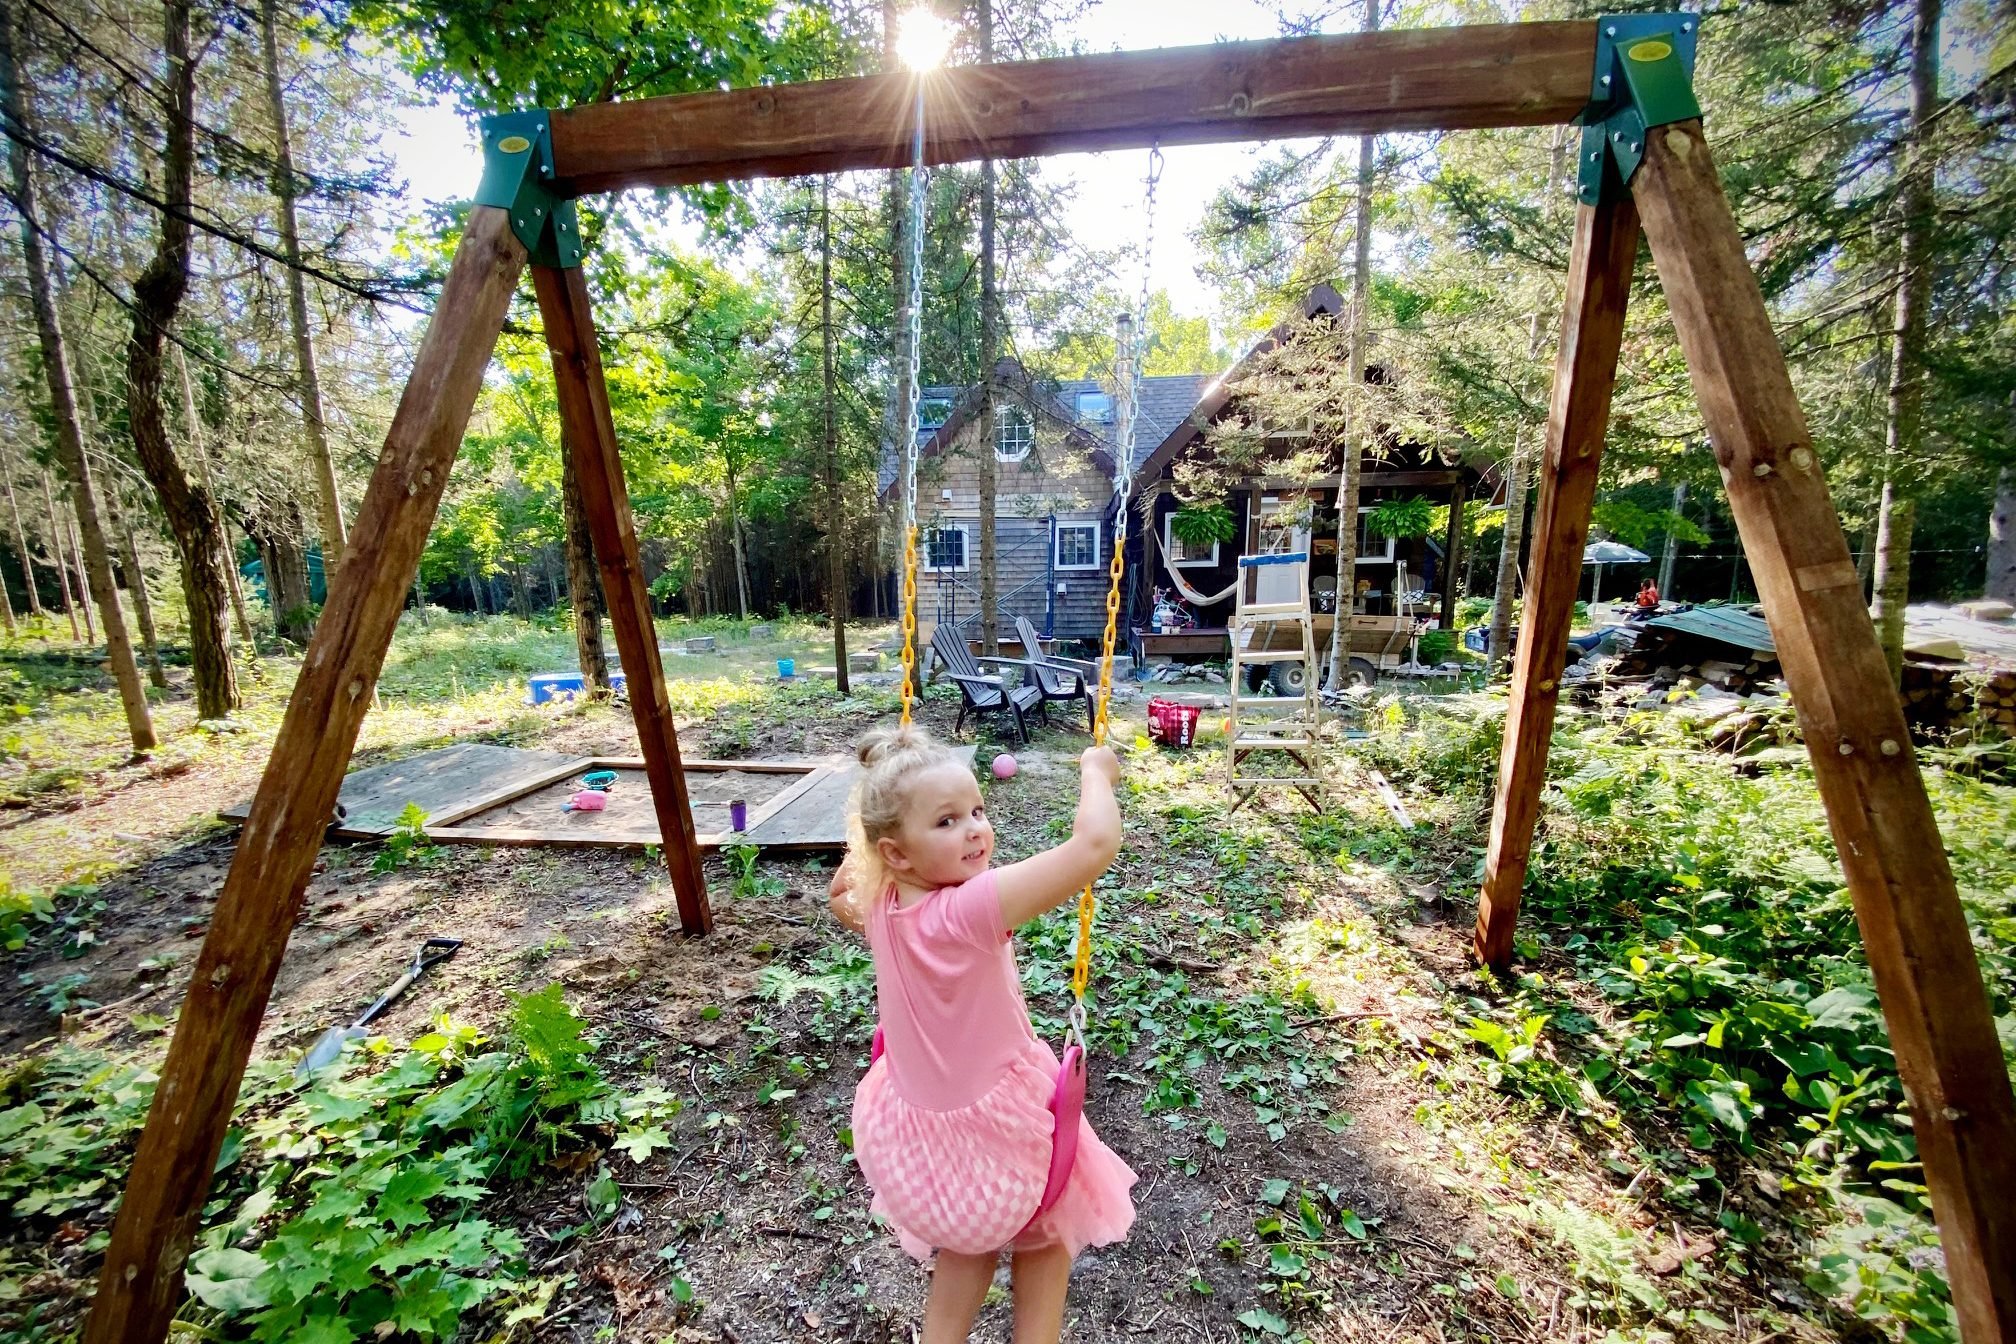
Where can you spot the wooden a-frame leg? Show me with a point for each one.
(591, 437)
(141, 1284)
(1962, 1113)
(1585, 370)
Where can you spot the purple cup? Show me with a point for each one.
(738, 815)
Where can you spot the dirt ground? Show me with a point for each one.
(1350, 1090)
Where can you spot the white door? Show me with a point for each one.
(1280, 583)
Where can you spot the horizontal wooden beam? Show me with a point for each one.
(1519, 74)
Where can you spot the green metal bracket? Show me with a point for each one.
(518, 177)
(1644, 78)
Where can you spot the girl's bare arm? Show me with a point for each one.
(1036, 885)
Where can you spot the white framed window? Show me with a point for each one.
(1077, 545)
(1182, 553)
(1301, 427)
(1095, 408)
(933, 411)
(1014, 433)
(945, 548)
(1373, 550)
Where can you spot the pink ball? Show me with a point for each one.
(1005, 767)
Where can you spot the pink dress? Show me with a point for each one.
(952, 1125)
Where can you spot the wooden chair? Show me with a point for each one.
(1057, 677)
(980, 694)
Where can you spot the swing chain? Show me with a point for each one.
(1123, 487)
(913, 364)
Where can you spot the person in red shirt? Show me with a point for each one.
(1648, 596)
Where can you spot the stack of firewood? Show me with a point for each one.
(1995, 699)
(1936, 701)
(1668, 656)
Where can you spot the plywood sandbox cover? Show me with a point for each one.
(477, 793)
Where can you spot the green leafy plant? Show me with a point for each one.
(744, 869)
(408, 844)
(21, 912)
(1204, 523)
(1410, 517)
(347, 1210)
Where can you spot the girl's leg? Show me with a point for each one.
(1041, 1276)
(959, 1285)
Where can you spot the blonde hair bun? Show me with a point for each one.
(891, 761)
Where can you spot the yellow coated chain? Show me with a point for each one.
(909, 622)
(1081, 964)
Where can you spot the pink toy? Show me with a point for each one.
(588, 800)
(1005, 766)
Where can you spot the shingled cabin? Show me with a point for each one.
(1298, 514)
(1053, 444)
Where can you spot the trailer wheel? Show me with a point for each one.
(1360, 672)
(1290, 679)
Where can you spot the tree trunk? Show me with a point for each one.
(735, 540)
(285, 559)
(836, 507)
(475, 590)
(228, 556)
(21, 540)
(84, 597)
(54, 544)
(1896, 522)
(1452, 557)
(157, 295)
(521, 594)
(2001, 583)
(284, 191)
(584, 583)
(7, 606)
(1672, 552)
(1349, 467)
(1865, 558)
(136, 584)
(1904, 439)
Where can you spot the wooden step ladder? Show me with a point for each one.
(1271, 729)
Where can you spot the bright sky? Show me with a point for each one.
(438, 152)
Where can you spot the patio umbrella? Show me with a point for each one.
(1612, 553)
(1601, 553)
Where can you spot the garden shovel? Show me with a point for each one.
(325, 1050)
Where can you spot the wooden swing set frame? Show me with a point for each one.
(1644, 164)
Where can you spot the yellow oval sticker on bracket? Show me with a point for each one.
(1651, 50)
(513, 144)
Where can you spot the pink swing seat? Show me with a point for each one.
(1067, 1107)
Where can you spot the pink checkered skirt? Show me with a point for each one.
(967, 1180)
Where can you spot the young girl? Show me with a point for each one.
(952, 1124)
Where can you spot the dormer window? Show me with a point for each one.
(1095, 408)
(1014, 433)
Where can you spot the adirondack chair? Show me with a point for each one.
(1057, 677)
(980, 694)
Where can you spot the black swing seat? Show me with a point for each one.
(980, 694)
